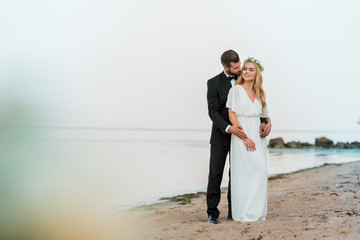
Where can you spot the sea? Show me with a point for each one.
(139, 166)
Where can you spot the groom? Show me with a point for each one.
(217, 92)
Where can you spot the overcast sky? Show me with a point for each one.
(144, 64)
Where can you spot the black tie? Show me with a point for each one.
(232, 77)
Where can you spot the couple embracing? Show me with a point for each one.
(237, 108)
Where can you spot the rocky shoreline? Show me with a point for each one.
(321, 142)
(187, 198)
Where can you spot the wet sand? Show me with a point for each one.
(317, 203)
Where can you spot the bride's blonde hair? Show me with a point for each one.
(258, 86)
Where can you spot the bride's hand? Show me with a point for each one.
(250, 145)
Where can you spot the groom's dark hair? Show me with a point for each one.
(229, 56)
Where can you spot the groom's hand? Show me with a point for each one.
(265, 129)
(262, 129)
(238, 131)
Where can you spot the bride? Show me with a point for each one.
(249, 176)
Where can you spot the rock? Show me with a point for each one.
(339, 145)
(306, 145)
(350, 146)
(324, 142)
(298, 144)
(356, 144)
(278, 146)
(293, 144)
(277, 143)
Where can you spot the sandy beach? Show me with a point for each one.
(317, 203)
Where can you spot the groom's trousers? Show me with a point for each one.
(218, 155)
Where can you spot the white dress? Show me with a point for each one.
(249, 175)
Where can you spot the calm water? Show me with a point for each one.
(133, 167)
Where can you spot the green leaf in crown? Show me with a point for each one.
(253, 60)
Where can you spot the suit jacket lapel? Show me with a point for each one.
(225, 82)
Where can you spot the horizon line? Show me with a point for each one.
(158, 129)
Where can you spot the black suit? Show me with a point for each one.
(217, 92)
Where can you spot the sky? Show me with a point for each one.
(145, 64)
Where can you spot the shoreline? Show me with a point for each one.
(183, 199)
(315, 203)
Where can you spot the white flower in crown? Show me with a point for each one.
(253, 60)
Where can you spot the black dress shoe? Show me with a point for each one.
(213, 220)
(229, 217)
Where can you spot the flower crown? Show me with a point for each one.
(253, 60)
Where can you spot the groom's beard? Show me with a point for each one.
(236, 74)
